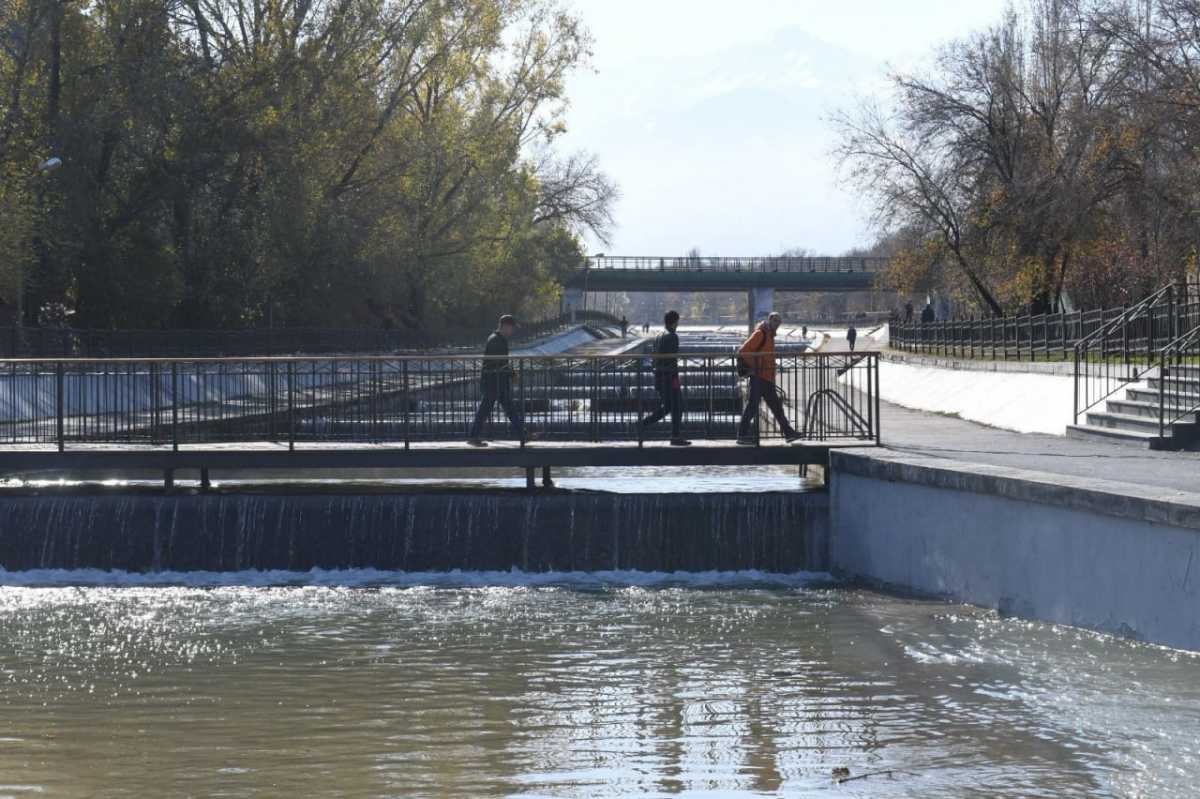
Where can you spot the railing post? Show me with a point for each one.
(58, 406)
(1162, 395)
(405, 400)
(641, 433)
(175, 406)
(878, 404)
(521, 400)
(291, 405)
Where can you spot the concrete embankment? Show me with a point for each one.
(1025, 397)
(1115, 557)
(432, 531)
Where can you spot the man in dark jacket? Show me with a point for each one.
(496, 383)
(666, 381)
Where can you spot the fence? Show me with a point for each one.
(1047, 336)
(41, 342)
(410, 399)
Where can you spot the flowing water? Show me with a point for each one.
(566, 685)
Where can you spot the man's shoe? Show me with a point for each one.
(746, 442)
(793, 437)
(476, 442)
(680, 442)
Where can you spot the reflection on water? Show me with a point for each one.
(717, 685)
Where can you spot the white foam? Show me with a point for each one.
(353, 578)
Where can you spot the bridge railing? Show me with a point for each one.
(411, 400)
(728, 264)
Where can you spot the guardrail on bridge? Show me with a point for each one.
(409, 400)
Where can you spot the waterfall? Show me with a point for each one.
(436, 531)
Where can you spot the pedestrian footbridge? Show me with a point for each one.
(761, 277)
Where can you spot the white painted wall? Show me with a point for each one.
(1028, 559)
(1027, 403)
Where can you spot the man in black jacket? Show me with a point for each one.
(496, 383)
(666, 381)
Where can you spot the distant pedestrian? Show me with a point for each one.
(851, 336)
(908, 312)
(804, 332)
(927, 315)
(666, 381)
(496, 383)
(757, 359)
(646, 328)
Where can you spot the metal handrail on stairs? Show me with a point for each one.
(1172, 405)
(814, 413)
(1124, 350)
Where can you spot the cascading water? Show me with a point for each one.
(440, 531)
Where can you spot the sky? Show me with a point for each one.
(712, 117)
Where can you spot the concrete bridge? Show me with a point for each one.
(760, 277)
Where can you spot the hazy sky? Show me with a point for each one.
(711, 116)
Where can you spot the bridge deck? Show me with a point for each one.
(276, 456)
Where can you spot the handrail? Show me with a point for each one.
(626, 357)
(1129, 315)
(1138, 350)
(403, 399)
(1187, 344)
(863, 427)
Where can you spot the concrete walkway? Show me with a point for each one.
(951, 438)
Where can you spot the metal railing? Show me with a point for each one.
(1178, 381)
(734, 264)
(1046, 337)
(49, 342)
(1125, 349)
(408, 400)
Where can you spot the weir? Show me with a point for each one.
(446, 530)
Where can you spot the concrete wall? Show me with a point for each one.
(1118, 558)
(1014, 398)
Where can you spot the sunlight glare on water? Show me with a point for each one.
(571, 686)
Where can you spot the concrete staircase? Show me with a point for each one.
(1131, 417)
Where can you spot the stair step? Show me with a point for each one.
(1112, 435)
(1123, 421)
(1174, 398)
(1182, 385)
(1147, 408)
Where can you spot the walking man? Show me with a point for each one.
(666, 381)
(851, 336)
(624, 327)
(496, 383)
(758, 353)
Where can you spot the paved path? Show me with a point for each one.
(934, 435)
(940, 436)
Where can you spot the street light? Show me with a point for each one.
(49, 165)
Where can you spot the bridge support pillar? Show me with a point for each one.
(761, 302)
(572, 302)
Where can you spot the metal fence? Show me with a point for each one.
(1046, 337)
(727, 264)
(412, 399)
(48, 342)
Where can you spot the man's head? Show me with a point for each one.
(774, 320)
(671, 320)
(507, 325)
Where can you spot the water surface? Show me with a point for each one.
(377, 684)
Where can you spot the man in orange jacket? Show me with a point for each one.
(759, 353)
